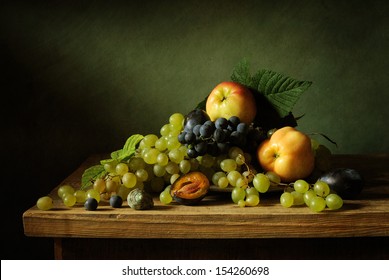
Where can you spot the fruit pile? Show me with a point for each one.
(223, 144)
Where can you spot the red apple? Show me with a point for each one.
(229, 99)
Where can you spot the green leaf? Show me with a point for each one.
(129, 147)
(90, 174)
(282, 92)
(116, 154)
(241, 73)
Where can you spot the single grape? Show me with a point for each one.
(80, 196)
(233, 177)
(298, 198)
(238, 194)
(92, 193)
(111, 185)
(161, 144)
(317, 204)
(228, 165)
(252, 200)
(334, 201)
(110, 166)
(242, 128)
(261, 182)
(129, 180)
(185, 166)
(172, 168)
(308, 196)
(301, 186)
(176, 155)
(136, 163)
(240, 159)
(150, 157)
(201, 148)
(149, 140)
(233, 122)
(219, 135)
(321, 188)
(121, 168)
(273, 177)
(177, 120)
(44, 203)
(91, 204)
(116, 201)
(251, 190)
(69, 199)
(142, 175)
(242, 203)
(221, 123)
(99, 185)
(223, 182)
(165, 197)
(286, 199)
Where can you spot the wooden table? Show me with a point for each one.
(218, 229)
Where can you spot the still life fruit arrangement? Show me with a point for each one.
(241, 139)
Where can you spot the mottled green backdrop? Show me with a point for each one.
(79, 77)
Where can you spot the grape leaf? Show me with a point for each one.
(90, 174)
(282, 92)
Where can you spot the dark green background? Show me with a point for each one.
(80, 77)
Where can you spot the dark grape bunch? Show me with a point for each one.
(203, 136)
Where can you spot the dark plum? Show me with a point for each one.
(346, 182)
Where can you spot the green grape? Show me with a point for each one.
(157, 184)
(223, 182)
(252, 200)
(216, 176)
(174, 177)
(92, 193)
(207, 160)
(238, 194)
(136, 163)
(44, 203)
(69, 199)
(334, 201)
(286, 199)
(308, 196)
(233, 177)
(99, 185)
(301, 186)
(110, 166)
(251, 190)
(80, 196)
(240, 159)
(176, 155)
(273, 177)
(174, 131)
(123, 192)
(242, 203)
(121, 169)
(184, 166)
(150, 157)
(141, 175)
(261, 182)
(172, 143)
(172, 168)
(298, 198)
(129, 179)
(165, 130)
(233, 152)
(177, 120)
(165, 197)
(159, 170)
(64, 189)
(228, 165)
(321, 188)
(149, 140)
(194, 164)
(161, 144)
(317, 204)
(241, 182)
(111, 185)
(162, 159)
